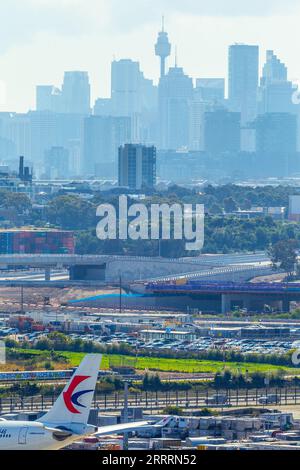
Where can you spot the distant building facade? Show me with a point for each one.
(73, 98)
(102, 137)
(137, 166)
(57, 163)
(175, 98)
(76, 93)
(243, 80)
(132, 95)
(222, 132)
(276, 144)
(294, 208)
(275, 92)
(276, 133)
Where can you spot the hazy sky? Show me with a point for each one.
(40, 39)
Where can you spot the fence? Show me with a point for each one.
(154, 401)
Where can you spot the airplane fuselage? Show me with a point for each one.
(18, 435)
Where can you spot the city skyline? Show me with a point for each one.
(73, 37)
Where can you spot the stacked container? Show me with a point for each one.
(36, 242)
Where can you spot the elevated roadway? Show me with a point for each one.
(252, 296)
(108, 268)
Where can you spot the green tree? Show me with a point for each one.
(284, 255)
(230, 205)
(71, 213)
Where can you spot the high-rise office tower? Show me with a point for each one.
(208, 94)
(211, 90)
(243, 80)
(222, 132)
(163, 49)
(273, 70)
(125, 87)
(275, 92)
(132, 95)
(276, 133)
(16, 128)
(48, 129)
(33, 133)
(102, 136)
(103, 107)
(137, 166)
(276, 144)
(48, 98)
(175, 97)
(44, 98)
(76, 93)
(56, 163)
(44, 134)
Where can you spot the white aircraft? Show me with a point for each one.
(67, 421)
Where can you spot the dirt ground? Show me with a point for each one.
(33, 298)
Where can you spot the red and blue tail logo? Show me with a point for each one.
(71, 398)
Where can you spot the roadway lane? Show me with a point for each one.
(158, 401)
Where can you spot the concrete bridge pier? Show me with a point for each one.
(225, 304)
(285, 305)
(48, 274)
(230, 302)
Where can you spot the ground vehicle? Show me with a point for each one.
(271, 399)
(217, 400)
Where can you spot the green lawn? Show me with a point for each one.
(173, 365)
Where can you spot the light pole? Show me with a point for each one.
(125, 440)
(120, 303)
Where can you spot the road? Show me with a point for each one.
(152, 401)
(59, 275)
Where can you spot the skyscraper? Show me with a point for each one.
(76, 93)
(211, 90)
(243, 80)
(132, 95)
(125, 87)
(275, 92)
(175, 97)
(16, 128)
(102, 136)
(276, 133)
(48, 129)
(44, 98)
(163, 49)
(273, 70)
(103, 107)
(208, 94)
(276, 144)
(137, 166)
(222, 132)
(48, 98)
(56, 163)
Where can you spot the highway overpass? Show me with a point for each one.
(107, 268)
(226, 296)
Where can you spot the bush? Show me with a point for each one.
(173, 410)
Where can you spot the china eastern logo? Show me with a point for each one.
(71, 398)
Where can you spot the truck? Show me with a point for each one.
(217, 400)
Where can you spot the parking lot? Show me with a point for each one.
(245, 346)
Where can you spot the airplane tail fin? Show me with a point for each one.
(72, 408)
